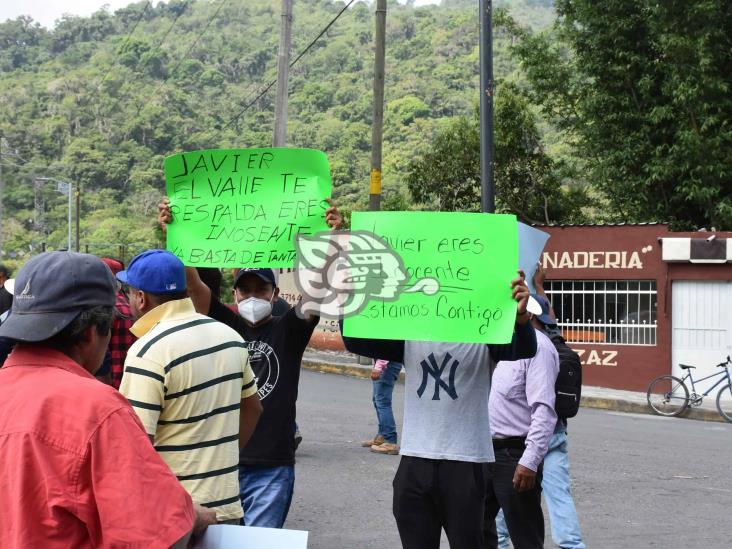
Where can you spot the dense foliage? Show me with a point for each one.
(624, 102)
(101, 101)
(528, 182)
(642, 91)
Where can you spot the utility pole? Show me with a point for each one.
(78, 214)
(487, 190)
(283, 76)
(2, 191)
(39, 207)
(377, 129)
(62, 187)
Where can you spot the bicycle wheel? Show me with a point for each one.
(668, 396)
(724, 402)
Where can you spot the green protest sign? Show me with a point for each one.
(473, 256)
(244, 207)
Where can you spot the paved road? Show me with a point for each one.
(639, 481)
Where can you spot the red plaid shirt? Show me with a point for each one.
(121, 339)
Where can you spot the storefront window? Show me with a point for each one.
(605, 311)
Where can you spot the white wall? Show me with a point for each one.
(701, 328)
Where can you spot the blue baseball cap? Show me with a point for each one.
(155, 272)
(544, 317)
(265, 274)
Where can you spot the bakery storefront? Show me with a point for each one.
(636, 300)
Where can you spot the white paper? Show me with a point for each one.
(224, 536)
(531, 244)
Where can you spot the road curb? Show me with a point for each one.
(602, 403)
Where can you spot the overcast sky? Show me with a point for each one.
(46, 12)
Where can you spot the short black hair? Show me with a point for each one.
(159, 299)
(100, 316)
(4, 271)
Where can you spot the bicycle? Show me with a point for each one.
(669, 396)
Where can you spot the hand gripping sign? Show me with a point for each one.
(433, 276)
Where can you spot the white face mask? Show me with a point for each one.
(255, 309)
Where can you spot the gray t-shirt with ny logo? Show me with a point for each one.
(446, 401)
(446, 394)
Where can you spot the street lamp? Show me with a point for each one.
(63, 188)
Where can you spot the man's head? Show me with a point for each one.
(115, 265)
(65, 301)
(154, 277)
(543, 320)
(4, 274)
(255, 290)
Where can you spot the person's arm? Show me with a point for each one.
(523, 342)
(204, 518)
(541, 375)
(249, 414)
(199, 293)
(539, 278)
(523, 345)
(127, 495)
(334, 221)
(386, 349)
(251, 408)
(143, 385)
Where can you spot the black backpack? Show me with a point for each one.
(569, 380)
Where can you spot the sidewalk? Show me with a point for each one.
(343, 363)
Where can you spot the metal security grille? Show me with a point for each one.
(605, 311)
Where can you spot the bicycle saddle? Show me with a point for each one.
(685, 367)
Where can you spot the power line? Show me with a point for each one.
(129, 36)
(170, 28)
(303, 52)
(185, 55)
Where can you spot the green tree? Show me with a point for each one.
(641, 90)
(527, 181)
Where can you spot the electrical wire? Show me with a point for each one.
(185, 55)
(127, 40)
(300, 55)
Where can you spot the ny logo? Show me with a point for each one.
(432, 369)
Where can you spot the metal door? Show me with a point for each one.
(702, 327)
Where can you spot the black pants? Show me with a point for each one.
(432, 494)
(522, 510)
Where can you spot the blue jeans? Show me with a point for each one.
(266, 494)
(383, 389)
(556, 488)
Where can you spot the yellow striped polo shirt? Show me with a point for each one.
(185, 377)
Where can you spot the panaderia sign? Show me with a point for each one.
(617, 259)
(606, 283)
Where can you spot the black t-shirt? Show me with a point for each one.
(275, 353)
(6, 300)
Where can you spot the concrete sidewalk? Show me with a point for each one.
(344, 363)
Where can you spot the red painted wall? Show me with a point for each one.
(625, 252)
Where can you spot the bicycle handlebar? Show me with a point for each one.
(725, 363)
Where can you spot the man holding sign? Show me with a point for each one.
(446, 449)
(446, 446)
(276, 345)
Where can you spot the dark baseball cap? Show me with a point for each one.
(544, 317)
(265, 274)
(155, 272)
(51, 290)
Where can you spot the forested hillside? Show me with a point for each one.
(101, 101)
(604, 111)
